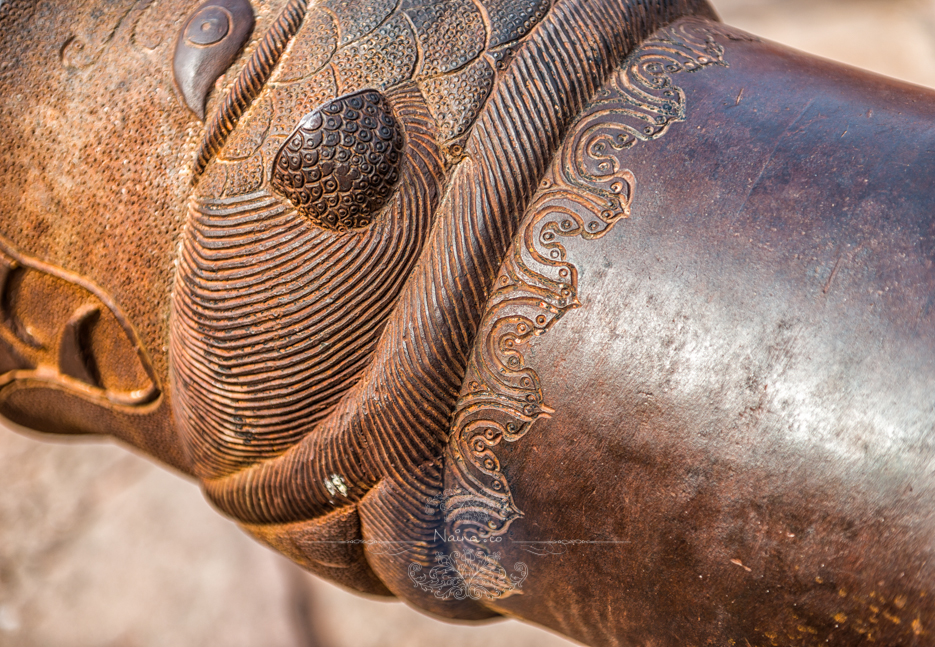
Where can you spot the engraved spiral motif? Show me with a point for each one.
(339, 166)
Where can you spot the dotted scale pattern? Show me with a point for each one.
(340, 165)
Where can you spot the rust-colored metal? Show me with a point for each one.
(592, 312)
(207, 45)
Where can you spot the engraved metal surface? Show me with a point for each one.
(295, 315)
(365, 371)
(586, 192)
(62, 330)
(207, 45)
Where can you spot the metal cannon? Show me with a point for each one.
(597, 313)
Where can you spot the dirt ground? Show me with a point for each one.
(100, 548)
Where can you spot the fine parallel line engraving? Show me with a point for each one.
(249, 82)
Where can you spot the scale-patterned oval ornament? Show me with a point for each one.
(340, 164)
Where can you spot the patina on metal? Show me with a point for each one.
(597, 313)
(207, 45)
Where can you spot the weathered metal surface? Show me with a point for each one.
(599, 314)
(717, 424)
(207, 45)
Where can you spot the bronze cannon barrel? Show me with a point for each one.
(742, 404)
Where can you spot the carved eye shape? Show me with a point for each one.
(207, 45)
(342, 159)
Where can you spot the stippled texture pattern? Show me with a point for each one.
(307, 374)
(96, 161)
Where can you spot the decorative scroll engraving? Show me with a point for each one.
(292, 359)
(473, 574)
(586, 192)
(92, 35)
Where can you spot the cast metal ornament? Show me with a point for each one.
(341, 163)
(585, 193)
(207, 44)
(336, 259)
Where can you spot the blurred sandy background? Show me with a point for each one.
(100, 548)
